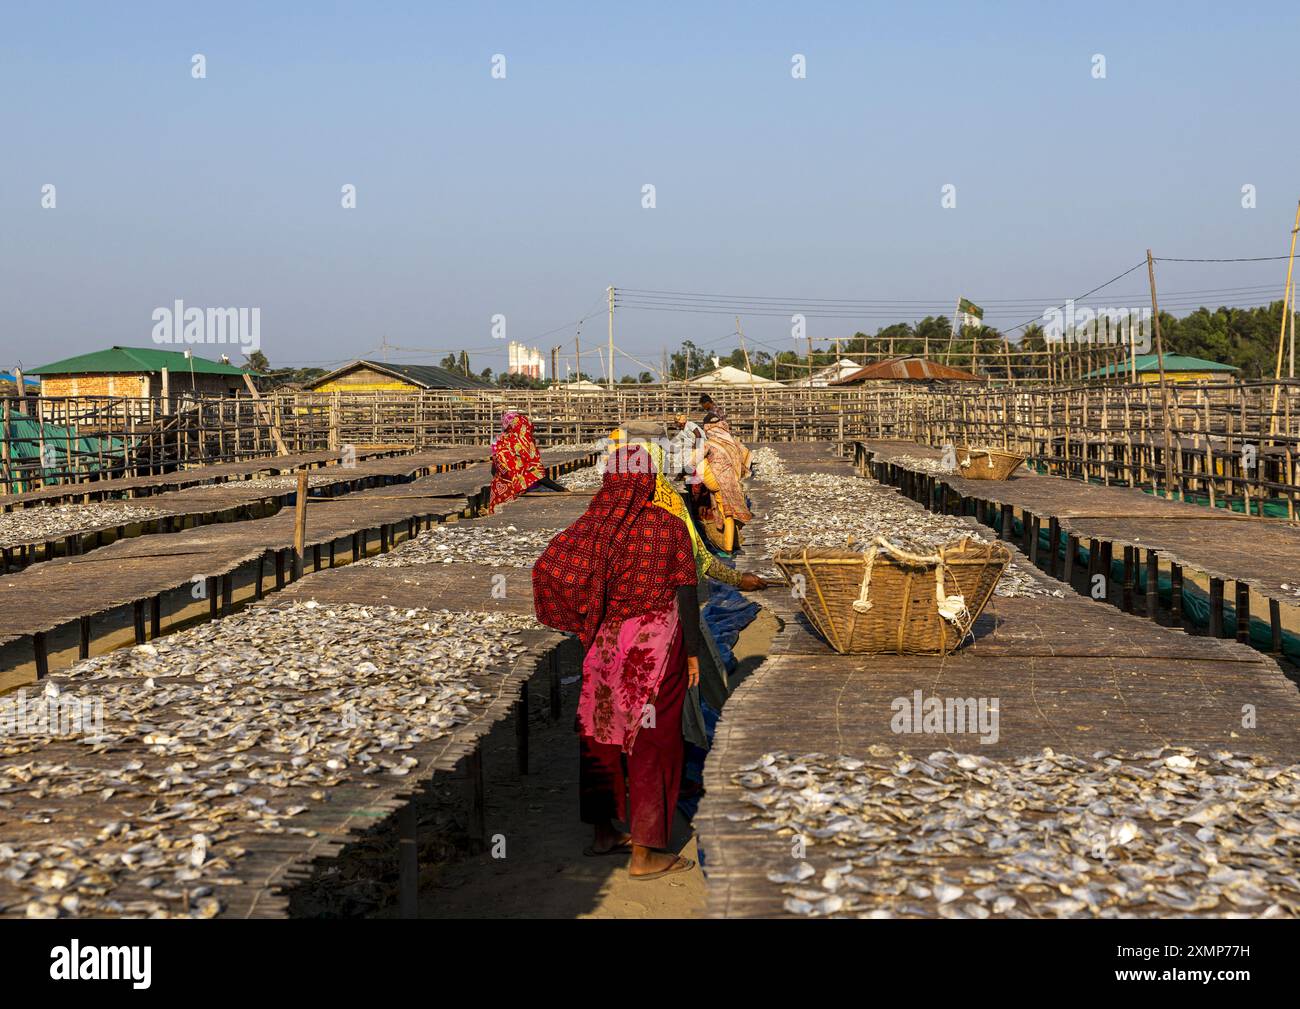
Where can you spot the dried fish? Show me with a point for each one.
(228, 730)
(502, 546)
(52, 522)
(894, 836)
(828, 510)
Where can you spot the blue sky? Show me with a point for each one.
(522, 196)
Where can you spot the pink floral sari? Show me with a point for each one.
(622, 672)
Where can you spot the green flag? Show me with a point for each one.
(969, 313)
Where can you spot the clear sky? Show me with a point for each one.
(522, 196)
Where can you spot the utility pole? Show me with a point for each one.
(1164, 389)
(611, 336)
(753, 388)
(555, 364)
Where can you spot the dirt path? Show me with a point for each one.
(544, 873)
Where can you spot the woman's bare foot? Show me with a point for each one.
(607, 839)
(647, 861)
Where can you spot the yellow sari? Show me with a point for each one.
(667, 498)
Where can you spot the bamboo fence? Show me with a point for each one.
(1221, 446)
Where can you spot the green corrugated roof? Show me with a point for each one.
(1173, 362)
(129, 360)
(428, 376)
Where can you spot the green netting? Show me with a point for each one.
(1271, 507)
(24, 435)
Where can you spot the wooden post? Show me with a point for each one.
(1176, 594)
(553, 662)
(476, 821)
(1153, 585)
(1243, 613)
(408, 860)
(521, 728)
(300, 525)
(40, 652)
(1160, 360)
(1216, 607)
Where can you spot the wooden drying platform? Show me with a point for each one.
(233, 500)
(274, 863)
(144, 486)
(1256, 554)
(1068, 673)
(136, 572)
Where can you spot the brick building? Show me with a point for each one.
(138, 372)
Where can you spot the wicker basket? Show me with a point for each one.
(987, 463)
(888, 600)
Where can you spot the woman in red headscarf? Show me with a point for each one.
(623, 579)
(516, 463)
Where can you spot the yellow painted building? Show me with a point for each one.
(1178, 368)
(379, 376)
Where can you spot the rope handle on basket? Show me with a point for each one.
(951, 608)
(977, 451)
(863, 603)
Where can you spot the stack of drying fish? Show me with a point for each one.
(288, 481)
(51, 522)
(825, 510)
(934, 467)
(588, 478)
(1162, 832)
(767, 465)
(234, 729)
(471, 543)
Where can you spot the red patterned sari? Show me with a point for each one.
(516, 463)
(612, 579)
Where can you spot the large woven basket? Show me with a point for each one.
(987, 463)
(887, 600)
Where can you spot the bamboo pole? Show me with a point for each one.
(1281, 339)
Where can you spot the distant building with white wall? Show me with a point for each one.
(521, 360)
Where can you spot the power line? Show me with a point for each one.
(1244, 259)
